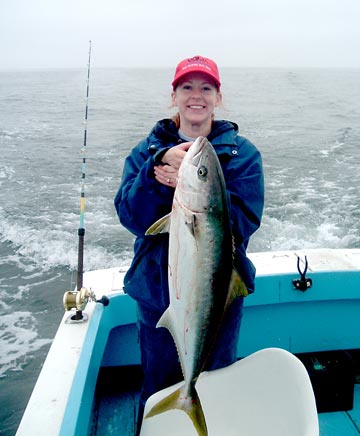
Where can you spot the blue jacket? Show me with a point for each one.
(141, 200)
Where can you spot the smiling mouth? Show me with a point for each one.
(195, 106)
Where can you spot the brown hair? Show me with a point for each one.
(176, 120)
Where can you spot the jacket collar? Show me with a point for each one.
(165, 131)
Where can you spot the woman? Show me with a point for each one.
(145, 195)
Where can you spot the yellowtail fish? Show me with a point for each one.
(202, 281)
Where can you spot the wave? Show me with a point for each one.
(32, 249)
(7, 172)
(19, 339)
(277, 235)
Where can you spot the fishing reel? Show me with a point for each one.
(79, 299)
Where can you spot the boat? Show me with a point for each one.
(299, 357)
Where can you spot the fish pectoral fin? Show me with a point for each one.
(189, 403)
(237, 287)
(160, 226)
(191, 223)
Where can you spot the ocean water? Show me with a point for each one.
(306, 123)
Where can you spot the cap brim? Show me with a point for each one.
(181, 75)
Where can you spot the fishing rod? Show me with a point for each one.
(81, 230)
(79, 298)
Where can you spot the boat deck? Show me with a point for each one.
(342, 423)
(116, 399)
(118, 392)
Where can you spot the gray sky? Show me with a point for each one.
(254, 33)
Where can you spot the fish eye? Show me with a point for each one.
(202, 172)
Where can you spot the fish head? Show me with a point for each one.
(200, 180)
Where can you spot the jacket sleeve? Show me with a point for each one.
(141, 199)
(245, 185)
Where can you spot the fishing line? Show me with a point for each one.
(81, 230)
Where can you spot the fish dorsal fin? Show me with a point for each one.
(160, 226)
(237, 287)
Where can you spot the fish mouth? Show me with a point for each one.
(196, 150)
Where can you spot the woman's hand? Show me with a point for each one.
(167, 174)
(175, 155)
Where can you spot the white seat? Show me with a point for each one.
(268, 393)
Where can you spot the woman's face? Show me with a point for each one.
(196, 97)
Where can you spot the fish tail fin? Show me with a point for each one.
(189, 403)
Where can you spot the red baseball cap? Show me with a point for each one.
(197, 64)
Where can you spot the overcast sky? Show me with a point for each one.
(258, 33)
